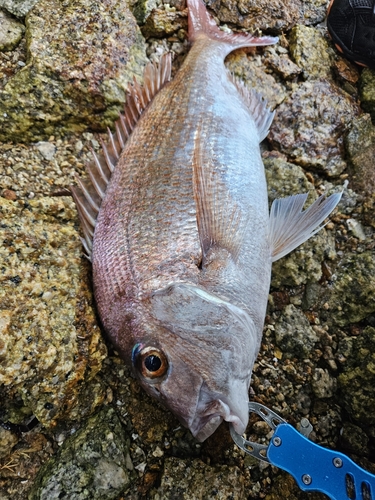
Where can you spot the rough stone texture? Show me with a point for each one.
(311, 52)
(354, 439)
(356, 383)
(50, 344)
(251, 70)
(367, 91)
(294, 334)
(80, 57)
(18, 8)
(165, 22)
(310, 124)
(92, 464)
(11, 32)
(352, 296)
(303, 264)
(323, 384)
(7, 441)
(142, 9)
(253, 14)
(360, 146)
(195, 480)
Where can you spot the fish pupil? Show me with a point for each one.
(152, 363)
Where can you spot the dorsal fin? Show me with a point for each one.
(90, 192)
(257, 106)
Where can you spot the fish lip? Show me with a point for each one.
(209, 420)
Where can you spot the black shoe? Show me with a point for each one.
(351, 24)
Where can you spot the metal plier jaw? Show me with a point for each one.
(313, 467)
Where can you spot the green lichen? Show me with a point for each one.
(352, 290)
(367, 91)
(92, 464)
(356, 383)
(360, 146)
(311, 52)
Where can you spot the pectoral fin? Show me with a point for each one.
(219, 219)
(290, 226)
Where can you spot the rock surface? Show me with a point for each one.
(18, 8)
(50, 344)
(81, 55)
(316, 358)
(11, 32)
(309, 126)
(93, 463)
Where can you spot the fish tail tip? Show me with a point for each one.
(200, 21)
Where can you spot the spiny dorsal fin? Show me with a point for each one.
(256, 105)
(219, 219)
(290, 226)
(90, 192)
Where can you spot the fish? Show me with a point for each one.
(176, 223)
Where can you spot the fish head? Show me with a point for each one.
(196, 358)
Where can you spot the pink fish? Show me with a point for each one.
(176, 222)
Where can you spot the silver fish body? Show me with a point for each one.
(183, 241)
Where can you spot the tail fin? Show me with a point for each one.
(200, 21)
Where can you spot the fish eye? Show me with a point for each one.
(151, 362)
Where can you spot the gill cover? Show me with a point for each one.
(187, 309)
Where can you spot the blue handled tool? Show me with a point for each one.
(314, 468)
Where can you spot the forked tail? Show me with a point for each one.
(200, 21)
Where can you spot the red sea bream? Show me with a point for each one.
(176, 222)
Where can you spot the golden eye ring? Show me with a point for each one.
(151, 362)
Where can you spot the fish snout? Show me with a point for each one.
(215, 412)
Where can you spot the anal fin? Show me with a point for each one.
(290, 226)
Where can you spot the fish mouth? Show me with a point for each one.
(209, 420)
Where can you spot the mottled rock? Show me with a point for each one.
(257, 14)
(11, 32)
(46, 149)
(303, 264)
(360, 146)
(93, 463)
(352, 289)
(50, 343)
(309, 126)
(251, 69)
(164, 22)
(353, 439)
(142, 9)
(7, 441)
(81, 55)
(18, 8)
(323, 384)
(356, 383)
(294, 334)
(282, 64)
(367, 91)
(311, 52)
(194, 480)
